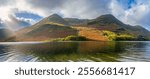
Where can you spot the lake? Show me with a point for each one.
(89, 51)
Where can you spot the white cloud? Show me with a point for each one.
(16, 23)
(85, 8)
(28, 20)
(117, 9)
(17, 6)
(137, 14)
(5, 12)
(70, 8)
(67, 8)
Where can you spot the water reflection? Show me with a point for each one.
(76, 51)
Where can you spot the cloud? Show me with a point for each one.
(16, 23)
(85, 8)
(6, 2)
(70, 8)
(46, 4)
(137, 14)
(28, 21)
(8, 9)
(129, 11)
(43, 8)
(28, 17)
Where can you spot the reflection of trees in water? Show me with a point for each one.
(77, 51)
(102, 47)
(119, 47)
(50, 51)
(101, 51)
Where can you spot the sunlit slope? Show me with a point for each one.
(111, 23)
(50, 27)
(47, 31)
(91, 33)
(54, 26)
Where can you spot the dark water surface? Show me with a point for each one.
(75, 51)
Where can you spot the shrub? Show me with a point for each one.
(69, 38)
(111, 35)
(125, 37)
(75, 38)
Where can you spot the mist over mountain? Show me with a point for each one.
(14, 23)
(2, 25)
(5, 33)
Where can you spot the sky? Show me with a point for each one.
(17, 14)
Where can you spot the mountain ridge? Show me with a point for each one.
(54, 26)
(109, 22)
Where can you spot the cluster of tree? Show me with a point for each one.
(71, 38)
(118, 37)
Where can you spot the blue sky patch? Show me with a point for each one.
(28, 15)
(127, 4)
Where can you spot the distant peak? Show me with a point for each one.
(106, 19)
(107, 16)
(54, 15)
(57, 19)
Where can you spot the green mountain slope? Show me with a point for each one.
(57, 19)
(110, 23)
(50, 27)
(103, 28)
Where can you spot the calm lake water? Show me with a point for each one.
(75, 51)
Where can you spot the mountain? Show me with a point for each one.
(106, 19)
(109, 22)
(101, 28)
(55, 18)
(50, 27)
(51, 20)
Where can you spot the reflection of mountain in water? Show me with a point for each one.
(76, 51)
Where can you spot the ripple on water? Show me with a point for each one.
(75, 52)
